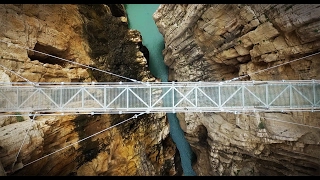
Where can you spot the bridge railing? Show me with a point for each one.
(152, 97)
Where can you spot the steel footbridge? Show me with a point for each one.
(153, 97)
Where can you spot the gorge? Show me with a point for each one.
(139, 16)
(202, 42)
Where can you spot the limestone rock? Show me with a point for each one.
(59, 43)
(218, 42)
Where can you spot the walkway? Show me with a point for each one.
(153, 97)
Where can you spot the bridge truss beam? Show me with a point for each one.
(153, 97)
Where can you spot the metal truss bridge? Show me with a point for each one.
(153, 97)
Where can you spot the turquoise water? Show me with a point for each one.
(140, 18)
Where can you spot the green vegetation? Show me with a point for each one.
(261, 125)
(19, 117)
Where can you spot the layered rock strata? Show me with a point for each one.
(220, 42)
(86, 36)
(203, 42)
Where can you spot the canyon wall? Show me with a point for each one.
(57, 43)
(221, 42)
(203, 42)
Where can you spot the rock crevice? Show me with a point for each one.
(245, 42)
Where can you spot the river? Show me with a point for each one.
(140, 18)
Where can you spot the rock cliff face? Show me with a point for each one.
(203, 42)
(217, 42)
(85, 35)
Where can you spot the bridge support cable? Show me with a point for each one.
(27, 80)
(271, 119)
(74, 143)
(266, 69)
(73, 62)
(130, 97)
(16, 158)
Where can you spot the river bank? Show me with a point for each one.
(140, 18)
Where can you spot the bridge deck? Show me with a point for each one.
(152, 97)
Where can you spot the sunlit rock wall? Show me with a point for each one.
(85, 35)
(219, 42)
